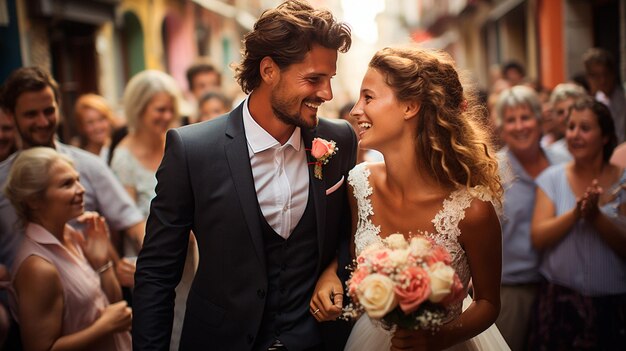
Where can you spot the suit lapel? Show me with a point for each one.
(239, 163)
(319, 191)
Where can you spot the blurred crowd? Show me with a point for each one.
(562, 155)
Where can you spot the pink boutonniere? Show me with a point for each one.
(322, 150)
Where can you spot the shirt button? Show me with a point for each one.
(260, 293)
(249, 338)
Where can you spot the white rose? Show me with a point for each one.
(419, 247)
(376, 295)
(396, 241)
(441, 279)
(398, 257)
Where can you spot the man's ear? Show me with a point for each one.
(411, 109)
(269, 70)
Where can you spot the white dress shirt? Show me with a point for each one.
(281, 175)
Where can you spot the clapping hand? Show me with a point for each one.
(95, 242)
(588, 205)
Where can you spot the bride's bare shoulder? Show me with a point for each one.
(480, 217)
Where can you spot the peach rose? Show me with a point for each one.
(438, 254)
(356, 279)
(414, 290)
(376, 295)
(321, 148)
(441, 280)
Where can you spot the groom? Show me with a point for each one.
(267, 214)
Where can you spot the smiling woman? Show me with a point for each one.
(574, 217)
(521, 161)
(63, 292)
(151, 102)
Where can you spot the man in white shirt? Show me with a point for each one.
(268, 208)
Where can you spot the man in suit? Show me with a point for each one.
(267, 224)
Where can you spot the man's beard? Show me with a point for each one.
(28, 141)
(280, 107)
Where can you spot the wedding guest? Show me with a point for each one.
(31, 99)
(579, 224)
(561, 99)
(520, 161)
(211, 105)
(202, 78)
(8, 142)
(151, 101)
(513, 72)
(64, 292)
(95, 124)
(604, 84)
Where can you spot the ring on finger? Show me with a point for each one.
(316, 310)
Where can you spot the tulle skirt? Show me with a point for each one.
(368, 336)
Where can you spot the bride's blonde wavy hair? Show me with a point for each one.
(452, 135)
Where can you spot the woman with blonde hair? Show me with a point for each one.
(95, 122)
(151, 105)
(64, 293)
(439, 179)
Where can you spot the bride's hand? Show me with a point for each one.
(413, 340)
(327, 301)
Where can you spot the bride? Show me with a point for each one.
(439, 178)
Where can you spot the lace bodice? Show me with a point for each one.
(446, 222)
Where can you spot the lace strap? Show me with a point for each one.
(453, 211)
(358, 178)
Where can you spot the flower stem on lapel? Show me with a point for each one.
(322, 150)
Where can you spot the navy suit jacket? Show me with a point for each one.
(205, 184)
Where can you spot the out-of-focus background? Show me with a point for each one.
(98, 45)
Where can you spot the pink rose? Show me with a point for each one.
(457, 292)
(438, 254)
(356, 278)
(413, 289)
(321, 147)
(380, 259)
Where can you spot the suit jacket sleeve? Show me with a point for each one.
(162, 257)
(344, 257)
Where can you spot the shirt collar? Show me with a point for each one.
(40, 235)
(259, 139)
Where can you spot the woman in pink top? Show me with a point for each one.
(62, 281)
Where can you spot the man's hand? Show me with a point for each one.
(327, 301)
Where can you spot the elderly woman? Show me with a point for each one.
(95, 124)
(561, 99)
(521, 160)
(581, 230)
(151, 103)
(62, 281)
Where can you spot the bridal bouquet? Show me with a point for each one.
(404, 283)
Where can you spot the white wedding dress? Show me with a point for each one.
(368, 334)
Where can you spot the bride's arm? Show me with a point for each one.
(328, 292)
(481, 239)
